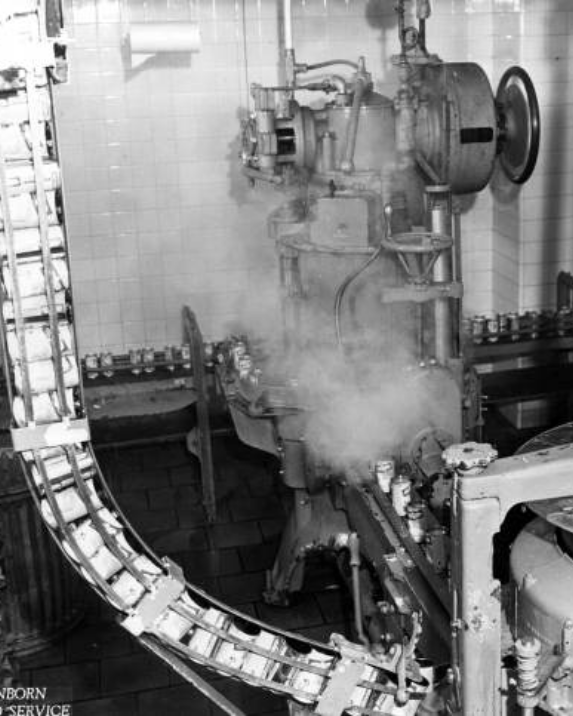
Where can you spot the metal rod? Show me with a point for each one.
(66, 530)
(287, 11)
(108, 539)
(191, 676)
(195, 339)
(41, 201)
(440, 217)
(347, 163)
(16, 297)
(354, 549)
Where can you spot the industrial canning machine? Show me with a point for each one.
(413, 511)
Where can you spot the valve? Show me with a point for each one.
(469, 458)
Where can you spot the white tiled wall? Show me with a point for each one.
(158, 212)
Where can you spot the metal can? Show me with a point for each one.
(478, 329)
(503, 327)
(514, 325)
(533, 321)
(492, 329)
(168, 358)
(261, 664)
(237, 352)
(384, 472)
(106, 364)
(92, 365)
(244, 366)
(415, 515)
(135, 360)
(229, 653)
(204, 641)
(148, 360)
(563, 321)
(186, 356)
(401, 494)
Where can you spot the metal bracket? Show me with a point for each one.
(193, 336)
(181, 668)
(421, 292)
(36, 437)
(169, 588)
(335, 697)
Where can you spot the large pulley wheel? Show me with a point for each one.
(518, 114)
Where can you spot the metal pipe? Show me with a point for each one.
(347, 163)
(287, 12)
(440, 215)
(354, 550)
(336, 81)
(326, 63)
(251, 173)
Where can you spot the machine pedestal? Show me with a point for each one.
(314, 523)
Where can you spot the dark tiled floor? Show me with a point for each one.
(158, 488)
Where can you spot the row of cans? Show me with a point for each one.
(243, 362)
(139, 360)
(515, 326)
(399, 488)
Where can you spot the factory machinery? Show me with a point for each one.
(438, 645)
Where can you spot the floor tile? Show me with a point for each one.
(305, 613)
(148, 520)
(83, 679)
(97, 641)
(236, 534)
(113, 706)
(239, 588)
(257, 557)
(139, 671)
(213, 563)
(173, 700)
(251, 508)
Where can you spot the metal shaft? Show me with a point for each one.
(440, 217)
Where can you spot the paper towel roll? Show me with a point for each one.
(149, 38)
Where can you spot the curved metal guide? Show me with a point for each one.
(558, 512)
(177, 621)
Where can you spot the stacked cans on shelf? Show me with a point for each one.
(513, 326)
(137, 361)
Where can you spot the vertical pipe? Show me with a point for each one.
(457, 276)
(287, 12)
(440, 217)
(354, 549)
(347, 163)
(289, 60)
(291, 292)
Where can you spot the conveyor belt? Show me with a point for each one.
(177, 621)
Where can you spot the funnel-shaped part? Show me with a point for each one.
(418, 251)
